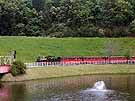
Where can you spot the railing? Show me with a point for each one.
(70, 63)
(5, 60)
(47, 64)
(42, 64)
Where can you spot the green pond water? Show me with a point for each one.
(119, 88)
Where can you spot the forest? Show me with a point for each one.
(67, 18)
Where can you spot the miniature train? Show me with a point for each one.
(87, 59)
(48, 59)
(80, 58)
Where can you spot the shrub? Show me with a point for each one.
(132, 27)
(88, 31)
(18, 68)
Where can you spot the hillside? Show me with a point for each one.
(28, 48)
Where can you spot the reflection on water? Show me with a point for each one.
(121, 88)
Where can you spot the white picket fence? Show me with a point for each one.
(47, 64)
(52, 64)
(41, 64)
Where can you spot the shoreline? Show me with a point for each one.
(70, 71)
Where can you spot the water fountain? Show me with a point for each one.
(98, 92)
(100, 85)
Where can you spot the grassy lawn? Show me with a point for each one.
(57, 72)
(28, 48)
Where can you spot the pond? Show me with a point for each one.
(118, 88)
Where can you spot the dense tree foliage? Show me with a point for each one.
(17, 17)
(67, 18)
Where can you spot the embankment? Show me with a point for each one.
(80, 70)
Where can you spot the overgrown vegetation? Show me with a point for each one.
(18, 68)
(67, 18)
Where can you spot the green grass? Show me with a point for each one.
(69, 71)
(28, 48)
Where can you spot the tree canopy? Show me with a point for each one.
(67, 18)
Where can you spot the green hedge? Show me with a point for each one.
(18, 68)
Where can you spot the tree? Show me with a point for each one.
(17, 17)
(112, 14)
(132, 28)
(63, 18)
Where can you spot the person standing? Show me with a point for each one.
(13, 55)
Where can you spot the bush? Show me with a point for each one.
(132, 27)
(88, 31)
(18, 68)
